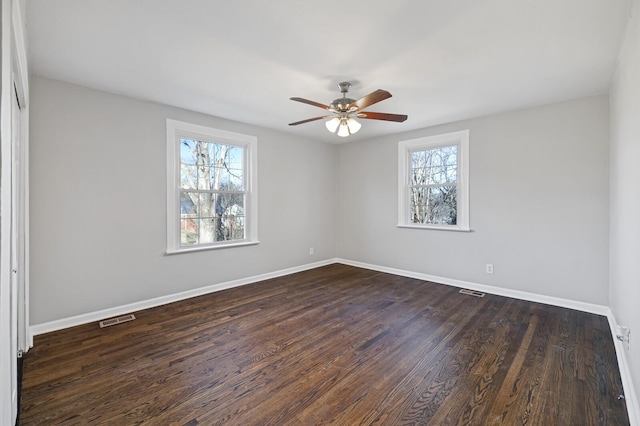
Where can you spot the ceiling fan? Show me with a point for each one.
(344, 111)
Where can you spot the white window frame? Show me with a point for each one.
(180, 129)
(461, 139)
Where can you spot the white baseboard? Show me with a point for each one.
(516, 294)
(63, 323)
(630, 395)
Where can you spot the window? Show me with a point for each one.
(433, 182)
(211, 188)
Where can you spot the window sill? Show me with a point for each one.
(211, 247)
(437, 228)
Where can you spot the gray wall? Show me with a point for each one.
(538, 204)
(98, 203)
(539, 211)
(625, 192)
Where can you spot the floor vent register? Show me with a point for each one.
(472, 292)
(118, 320)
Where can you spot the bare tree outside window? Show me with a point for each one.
(212, 192)
(433, 191)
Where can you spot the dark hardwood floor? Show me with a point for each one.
(334, 345)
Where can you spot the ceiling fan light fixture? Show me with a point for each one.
(343, 130)
(332, 125)
(348, 126)
(353, 126)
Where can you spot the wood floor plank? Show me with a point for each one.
(334, 345)
(506, 395)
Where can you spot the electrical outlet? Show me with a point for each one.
(311, 251)
(624, 335)
(489, 268)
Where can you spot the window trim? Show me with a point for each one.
(459, 138)
(177, 129)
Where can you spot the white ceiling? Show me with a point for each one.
(244, 59)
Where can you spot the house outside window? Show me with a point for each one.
(211, 188)
(433, 182)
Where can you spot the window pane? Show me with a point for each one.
(207, 226)
(230, 216)
(231, 173)
(233, 180)
(189, 218)
(434, 166)
(448, 155)
(188, 231)
(417, 159)
(230, 205)
(206, 214)
(226, 179)
(204, 173)
(441, 174)
(211, 217)
(188, 176)
(441, 156)
(418, 176)
(211, 166)
(433, 205)
(188, 203)
(187, 151)
(236, 158)
(237, 228)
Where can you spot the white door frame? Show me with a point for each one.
(13, 206)
(21, 85)
(6, 357)
(16, 275)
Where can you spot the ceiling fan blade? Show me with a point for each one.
(309, 120)
(371, 98)
(382, 116)
(307, 101)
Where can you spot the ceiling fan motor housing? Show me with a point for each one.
(342, 104)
